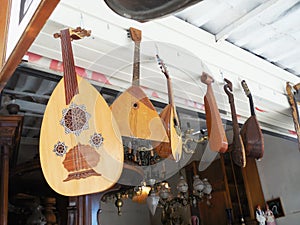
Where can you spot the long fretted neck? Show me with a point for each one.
(170, 91)
(70, 79)
(235, 124)
(136, 64)
(252, 110)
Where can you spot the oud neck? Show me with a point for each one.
(136, 64)
(70, 79)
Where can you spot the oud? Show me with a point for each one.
(79, 142)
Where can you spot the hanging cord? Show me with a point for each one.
(237, 191)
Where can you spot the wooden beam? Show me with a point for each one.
(4, 15)
(36, 23)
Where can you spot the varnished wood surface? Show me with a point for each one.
(173, 148)
(137, 117)
(111, 155)
(4, 163)
(216, 134)
(238, 150)
(219, 174)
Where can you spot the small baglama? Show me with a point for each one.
(173, 148)
(135, 114)
(81, 150)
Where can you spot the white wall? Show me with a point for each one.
(279, 172)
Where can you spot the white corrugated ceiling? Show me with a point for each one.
(268, 28)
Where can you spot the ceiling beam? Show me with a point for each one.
(223, 34)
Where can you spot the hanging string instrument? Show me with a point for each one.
(237, 148)
(251, 133)
(80, 142)
(216, 134)
(173, 148)
(133, 110)
(294, 101)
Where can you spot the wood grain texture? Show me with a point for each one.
(111, 155)
(133, 110)
(173, 148)
(137, 117)
(238, 150)
(251, 133)
(216, 134)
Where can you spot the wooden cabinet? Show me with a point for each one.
(235, 189)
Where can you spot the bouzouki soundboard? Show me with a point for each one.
(81, 150)
(173, 148)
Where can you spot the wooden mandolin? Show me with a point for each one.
(173, 148)
(216, 134)
(81, 149)
(133, 110)
(251, 133)
(237, 149)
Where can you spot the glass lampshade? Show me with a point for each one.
(152, 202)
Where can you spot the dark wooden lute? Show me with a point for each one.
(251, 133)
(133, 110)
(237, 147)
(216, 135)
(173, 148)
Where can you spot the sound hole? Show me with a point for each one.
(135, 105)
(75, 119)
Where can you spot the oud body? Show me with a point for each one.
(81, 149)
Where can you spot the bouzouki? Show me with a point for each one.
(216, 135)
(173, 148)
(81, 149)
(251, 133)
(237, 148)
(133, 110)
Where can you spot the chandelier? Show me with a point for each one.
(156, 192)
(160, 194)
